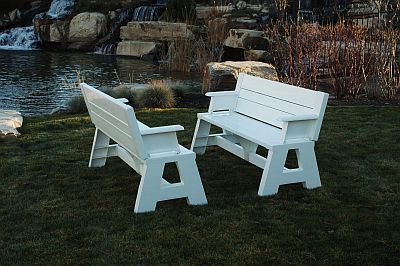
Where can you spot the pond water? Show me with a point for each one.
(33, 82)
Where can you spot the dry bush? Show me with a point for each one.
(158, 95)
(185, 55)
(358, 61)
(297, 52)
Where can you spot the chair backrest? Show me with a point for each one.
(267, 100)
(116, 119)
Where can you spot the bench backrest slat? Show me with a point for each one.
(115, 119)
(267, 100)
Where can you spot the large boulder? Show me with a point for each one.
(137, 49)
(155, 31)
(223, 76)
(87, 27)
(9, 122)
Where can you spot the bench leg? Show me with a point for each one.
(275, 173)
(98, 156)
(200, 137)
(154, 188)
(308, 162)
(270, 180)
(149, 187)
(190, 177)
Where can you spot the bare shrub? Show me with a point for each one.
(185, 55)
(354, 58)
(297, 52)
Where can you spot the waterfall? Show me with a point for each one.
(23, 38)
(60, 8)
(107, 44)
(148, 13)
(105, 49)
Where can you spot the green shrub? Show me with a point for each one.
(158, 95)
(77, 105)
(181, 11)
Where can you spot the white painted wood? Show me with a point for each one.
(145, 149)
(274, 115)
(222, 101)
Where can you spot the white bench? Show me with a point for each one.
(270, 114)
(145, 149)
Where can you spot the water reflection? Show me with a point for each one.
(32, 81)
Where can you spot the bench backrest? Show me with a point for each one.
(267, 100)
(116, 119)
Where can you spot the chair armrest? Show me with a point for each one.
(298, 118)
(222, 100)
(123, 100)
(160, 130)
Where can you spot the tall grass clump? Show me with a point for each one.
(76, 105)
(158, 95)
(124, 91)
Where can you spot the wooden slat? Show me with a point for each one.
(110, 129)
(273, 102)
(260, 112)
(289, 93)
(116, 119)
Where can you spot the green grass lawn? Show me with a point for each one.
(56, 210)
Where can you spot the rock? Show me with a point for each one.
(52, 31)
(155, 31)
(87, 27)
(132, 86)
(241, 5)
(136, 48)
(35, 3)
(14, 15)
(244, 23)
(112, 15)
(246, 39)
(258, 55)
(223, 76)
(205, 12)
(9, 122)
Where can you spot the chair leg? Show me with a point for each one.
(270, 180)
(149, 187)
(308, 162)
(98, 156)
(190, 177)
(200, 137)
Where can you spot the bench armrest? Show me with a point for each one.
(222, 100)
(123, 100)
(160, 130)
(299, 128)
(298, 118)
(221, 93)
(161, 139)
